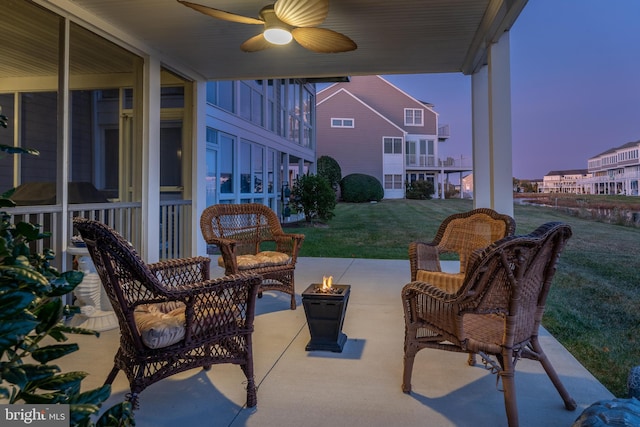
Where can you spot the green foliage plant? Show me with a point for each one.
(313, 195)
(329, 168)
(359, 188)
(31, 318)
(419, 190)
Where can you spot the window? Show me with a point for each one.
(308, 106)
(226, 163)
(392, 145)
(393, 182)
(245, 167)
(221, 93)
(413, 117)
(211, 178)
(257, 159)
(342, 123)
(251, 101)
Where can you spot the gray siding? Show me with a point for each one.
(387, 99)
(358, 149)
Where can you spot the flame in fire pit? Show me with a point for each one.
(326, 283)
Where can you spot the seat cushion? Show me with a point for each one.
(259, 260)
(448, 282)
(160, 325)
(164, 324)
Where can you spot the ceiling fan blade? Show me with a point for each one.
(221, 14)
(302, 13)
(322, 40)
(255, 43)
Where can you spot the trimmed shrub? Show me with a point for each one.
(329, 169)
(358, 188)
(420, 190)
(313, 195)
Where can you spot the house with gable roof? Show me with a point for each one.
(370, 126)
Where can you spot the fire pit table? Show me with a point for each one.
(325, 308)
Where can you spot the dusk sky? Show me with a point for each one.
(575, 85)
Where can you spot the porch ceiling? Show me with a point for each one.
(393, 36)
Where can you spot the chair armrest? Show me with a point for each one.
(422, 301)
(220, 305)
(289, 243)
(423, 256)
(228, 250)
(427, 290)
(181, 271)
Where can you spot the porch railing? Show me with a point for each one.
(126, 218)
(175, 229)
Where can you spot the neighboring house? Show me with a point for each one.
(466, 187)
(615, 171)
(566, 181)
(372, 127)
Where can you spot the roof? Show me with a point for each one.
(568, 172)
(350, 96)
(393, 37)
(622, 147)
(385, 98)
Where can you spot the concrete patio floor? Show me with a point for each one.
(360, 386)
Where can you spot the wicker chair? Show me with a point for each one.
(172, 317)
(243, 233)
(460, 233)
(496, 313)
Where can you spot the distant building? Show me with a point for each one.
(615, 171)
(372, 127)
(566, 181)
(466, 187)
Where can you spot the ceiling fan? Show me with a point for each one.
(285, 20)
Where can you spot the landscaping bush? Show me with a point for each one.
(313, 195)
(358, 188)
(329, 169)
(420, 190)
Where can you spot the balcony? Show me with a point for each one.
(443, 133)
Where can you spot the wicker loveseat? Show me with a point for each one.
(460, 233)
(172, 317)
(243, 233)
(495, 314)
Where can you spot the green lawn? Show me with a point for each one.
(593, 305)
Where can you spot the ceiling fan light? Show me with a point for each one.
(277, 35)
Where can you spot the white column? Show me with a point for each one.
(63, 145)
(491, 115)
(150, 250)
(480, 137)
(199, 165)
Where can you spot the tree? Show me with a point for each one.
(421, 189)
(313, 195)
(329, 168)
